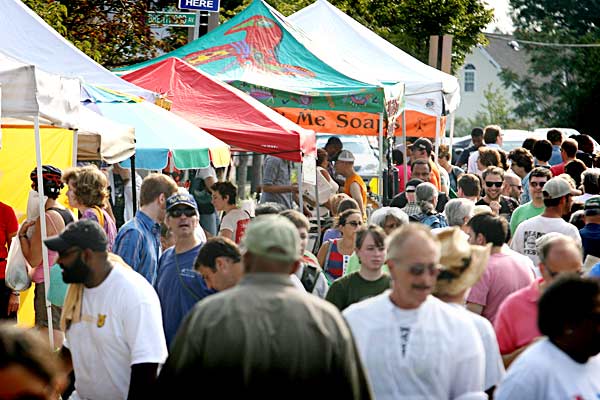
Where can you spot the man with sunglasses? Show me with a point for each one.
(512, 186)
(414, 345)
(516, 320)
(178, 285)
(537, 179)
(557, 194)
(112, 320)
(493, 179)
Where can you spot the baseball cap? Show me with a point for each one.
(558, 187)
(346, 155)
(181, 199)
(412, 184)
(273, 237)
(592, 206)
(85, 234)
(422, 144)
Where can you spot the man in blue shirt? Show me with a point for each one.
(178, 285)
(590, 233)
(555, 137)
(138, 241)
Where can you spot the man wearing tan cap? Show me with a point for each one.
(264, 338)
(557, 198)
(355, 186)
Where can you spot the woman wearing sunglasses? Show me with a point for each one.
(335, 254)
(369, 280)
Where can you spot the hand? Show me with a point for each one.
(495, 206)
(26, 225)
(294, 189)
(13, 304)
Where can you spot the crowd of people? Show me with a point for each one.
(480, 279)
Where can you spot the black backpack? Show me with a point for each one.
(309, 277)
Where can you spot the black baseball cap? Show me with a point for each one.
(85, 234)
(412, 184)
(422, 144)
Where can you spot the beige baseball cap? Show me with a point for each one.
(273, 237)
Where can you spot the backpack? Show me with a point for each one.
(433, 220)
(310, 274)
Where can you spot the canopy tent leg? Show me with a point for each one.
(437, 137)
(405, 158)
(133, 185)
(451, 134)
(42, 205)
(318, 208)
(380, 171)
(300, 199)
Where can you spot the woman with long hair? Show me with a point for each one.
(335, 254)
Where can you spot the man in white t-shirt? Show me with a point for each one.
(111, 317)
(412, 344)
(557, 199)
(453, 283)
(565, 364)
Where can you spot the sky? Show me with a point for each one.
(501, 19)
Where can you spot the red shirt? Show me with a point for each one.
(516, 320)
(558, 169)
(8, 226)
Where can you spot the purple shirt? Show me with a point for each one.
(109, 225)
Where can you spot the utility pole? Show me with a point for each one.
(440, 52)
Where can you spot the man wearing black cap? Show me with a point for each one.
(411, 207)
(111, 318)
(422, 148)
(590, 234)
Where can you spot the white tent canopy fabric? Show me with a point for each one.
(427, 89)
(27, 37)
(29, 93)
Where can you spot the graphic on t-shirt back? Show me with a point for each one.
(529, 238)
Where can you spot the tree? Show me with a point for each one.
(561, 86)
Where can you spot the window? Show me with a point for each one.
(469, 78)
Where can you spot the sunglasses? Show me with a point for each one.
(536, 184)
(419, 269)
(354, 223)
(178, 212)
(517, 186)
(490, 184)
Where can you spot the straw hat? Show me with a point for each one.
(462, 264)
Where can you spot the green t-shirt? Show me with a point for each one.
(523, 213)
(354, 265)
(350, 289)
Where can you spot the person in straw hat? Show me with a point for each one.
(414, 345)
(462, 265)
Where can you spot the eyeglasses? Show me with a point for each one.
(419, 269)
(178, 212)
(490, 184)
(536, 184)
(354, 223)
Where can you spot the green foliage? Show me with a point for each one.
(561, 87)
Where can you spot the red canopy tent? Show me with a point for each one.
(224, 111)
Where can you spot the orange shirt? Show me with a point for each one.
(363, 188)
(435, 176)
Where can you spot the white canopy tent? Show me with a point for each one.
(31, 94)
(27, 37)
(427, 89)
(29, 91)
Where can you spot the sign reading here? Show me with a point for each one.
(171, 19)
(200, 5)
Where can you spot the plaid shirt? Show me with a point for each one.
(411, 209)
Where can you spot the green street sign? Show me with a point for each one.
(161, 18)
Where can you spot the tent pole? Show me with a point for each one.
(405, 158)
(451, 134)
(75, 145)
(318, 207)
(42, 205)
(380, 172)
(300, 199)
(133, 185)
(437, 137)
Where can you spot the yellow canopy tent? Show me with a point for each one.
(17, 159)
